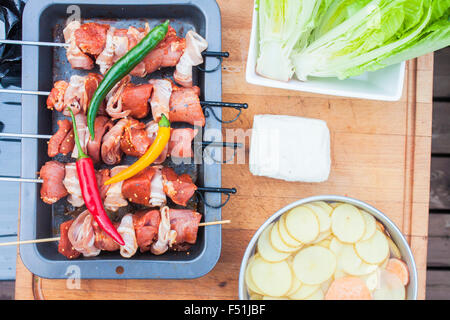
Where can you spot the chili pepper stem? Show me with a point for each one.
(164, 122)
(81, 153)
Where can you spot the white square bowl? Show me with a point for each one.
(385, 84)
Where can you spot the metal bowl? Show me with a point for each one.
(394, 232)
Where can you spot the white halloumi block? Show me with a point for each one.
(290, 148)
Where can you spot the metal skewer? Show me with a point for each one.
(47, 136)
(17, 179)
(226, 191)
(216, 54)
(205, 104)
(204, 189)
(222, 54)
(31, 92)
(34, 43)
(24, 135)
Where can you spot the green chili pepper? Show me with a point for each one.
(122, 67)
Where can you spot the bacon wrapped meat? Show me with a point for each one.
(191, 57)
(149, 230)
(179, 188)
(65, 247)
(149, 188)
(53, 189)
(105, 45)
(76, 94)
(81, 235)
(185, 106)
(77, 58)
(63, 140)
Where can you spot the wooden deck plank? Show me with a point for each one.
(439, 253)
(442, 73)
(439, 241)
(7, 290)
(439, 225)
(440, 182)
(438, 285)
(441, 128)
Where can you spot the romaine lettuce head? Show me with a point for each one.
(360, 35)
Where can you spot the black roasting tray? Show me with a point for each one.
(43, 20)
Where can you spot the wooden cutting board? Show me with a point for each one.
(380, 155)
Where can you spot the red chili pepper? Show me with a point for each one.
(89, 189)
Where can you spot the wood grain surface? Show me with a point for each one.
(380, 154)
(439, 242)
(441, 130)
(438, 284)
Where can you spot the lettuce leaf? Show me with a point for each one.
(336, 13)
(283, 25)
(433, 38)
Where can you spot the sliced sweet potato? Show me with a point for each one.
(399, 268)
(348, 288)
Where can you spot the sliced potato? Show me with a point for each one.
(351, 263)
(322, 236)
(314, 265)
(336, 246)
(302, 224)
(322, 216)
(393, 248)
(318, 295)
(372, 279)
(384, 263)
(324, 243)
(255, 296)
(390, 287)
(373, 250)
(325, 206)
(304, 291)
(334, 205)
(274, 298)
(371, 225)
(251, 286)
(347, 223)
(285, 236)
(274, 279)
(276, 241)
(339, 273)
(325, 285)
(266, 250)
(296, 284)
(380, 226)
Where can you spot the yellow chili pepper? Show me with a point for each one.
(155, 150)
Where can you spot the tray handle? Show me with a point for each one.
(227, 191)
